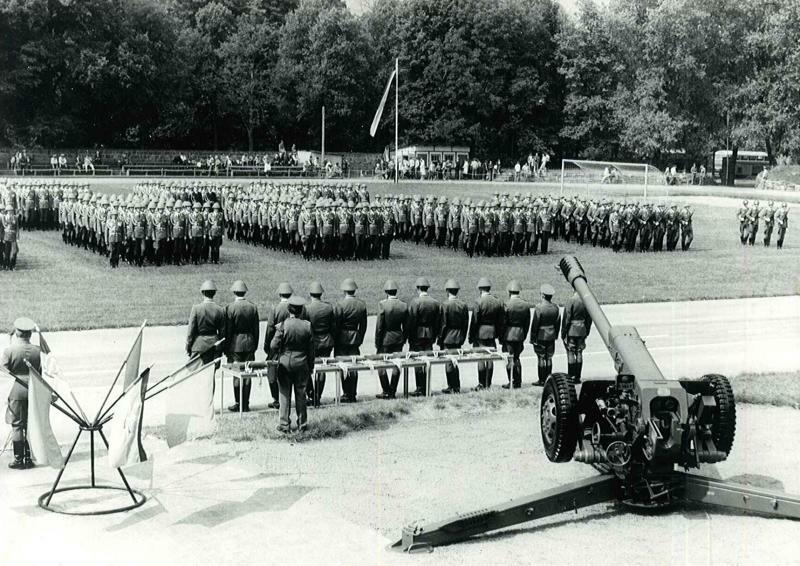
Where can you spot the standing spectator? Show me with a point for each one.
(543, 166)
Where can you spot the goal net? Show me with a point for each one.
(586, 173)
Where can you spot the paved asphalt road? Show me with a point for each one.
(687, 339)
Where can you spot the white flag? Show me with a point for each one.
(125, 441)
(190, 407)
(374, 127)
(43, 444)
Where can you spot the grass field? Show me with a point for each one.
(67, 288)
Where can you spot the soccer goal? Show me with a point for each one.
(588, 173)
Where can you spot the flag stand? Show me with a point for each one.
(46, 498)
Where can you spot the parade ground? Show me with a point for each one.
(83, 292)
(343, 501)
(341, 493)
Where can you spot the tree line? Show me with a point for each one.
(631, 79)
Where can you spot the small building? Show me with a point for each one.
(434, 153)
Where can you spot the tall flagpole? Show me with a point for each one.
(396, 117)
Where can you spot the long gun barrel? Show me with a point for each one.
(573, 272)
(626, 347)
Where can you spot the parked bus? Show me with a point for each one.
(748, 163)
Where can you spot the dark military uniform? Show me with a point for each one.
(544, 331)
(517, 319)
(323, 327)
(13, 361)
(575, 327)
(484, 329)
(454, 326)
(206, 327)
(351, 325)
(390, 337)
(293, 347)
(423, 329)
(241, 342)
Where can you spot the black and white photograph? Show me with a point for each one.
(394, 282)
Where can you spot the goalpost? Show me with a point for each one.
(586, 172)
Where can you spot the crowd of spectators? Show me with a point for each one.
(448, 169)
(695, 176)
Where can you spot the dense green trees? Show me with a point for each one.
(631, 79)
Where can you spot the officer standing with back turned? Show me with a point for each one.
(241, 340)
(13, 361)
(544, 331)
(206, 325)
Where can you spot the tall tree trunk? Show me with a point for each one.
(250, 138)
(731, 172)
(768, 145)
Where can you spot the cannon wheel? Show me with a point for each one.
(724, 427)
(558, 415)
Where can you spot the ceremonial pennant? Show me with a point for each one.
(41, 439)
(374, 127)
(190, 407)
(125, 441)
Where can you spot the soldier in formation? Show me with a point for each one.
(36, 201)
(516, 225)
(142, 230)
(773, 218)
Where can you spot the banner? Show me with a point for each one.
(125, 440)
(374, 127)
(132, 362)
(190, 407)
(43, 444)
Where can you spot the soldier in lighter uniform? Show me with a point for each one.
(10, 237)
(323, 327)
(516, 320)
(544, 331)
(391, 333)
(13, 361)
(453, 330)
(351, 326)
(575, 326)
(206, 325)
(423, 328)
(241, 340)
(485, 327)
(782, 222)
(293, 347)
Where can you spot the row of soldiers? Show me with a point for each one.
(339, 329)
(750, 215)
(525, 225)
(139, 232)
(35, 201)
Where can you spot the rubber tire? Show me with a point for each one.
(559, 386)
(724, 427)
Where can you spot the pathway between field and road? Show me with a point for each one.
(687, 339)
(209, 504)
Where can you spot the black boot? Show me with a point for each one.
(19, 456)
(235, 407)
(26, 460)
(571, 371)
(246, 386)
(578, 369)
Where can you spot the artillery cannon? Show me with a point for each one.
(643, 432)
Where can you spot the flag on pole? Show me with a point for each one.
(125, 440)
(374, 127)
(43, 444)
(52, 375)
(132, 361)
(190, 406)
